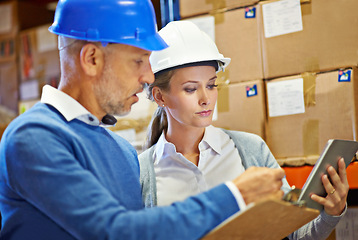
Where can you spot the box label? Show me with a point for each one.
(344, 75)
(251, 91)
(282, 17)
(285, 97)
(250, 12)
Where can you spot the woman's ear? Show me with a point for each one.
(158, 96)
(91, 59)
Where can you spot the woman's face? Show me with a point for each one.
(190, 102)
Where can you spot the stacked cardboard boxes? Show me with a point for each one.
(310, 71)
(320, 38)
(16, 16)
(305, 111)
(311, 95)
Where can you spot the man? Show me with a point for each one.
(64, 176)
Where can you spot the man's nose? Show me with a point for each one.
(148, 76)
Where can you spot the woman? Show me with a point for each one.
(186, 154)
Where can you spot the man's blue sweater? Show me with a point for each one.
(70, 180)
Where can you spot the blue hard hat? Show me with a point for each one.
(130, 22)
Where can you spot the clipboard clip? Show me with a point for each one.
(292, 197)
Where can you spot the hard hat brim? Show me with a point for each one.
(151, 43)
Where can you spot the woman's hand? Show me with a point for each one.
(337, 190)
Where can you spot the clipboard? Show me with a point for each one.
(269, 219)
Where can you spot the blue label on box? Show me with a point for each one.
(344, 75)
(250, 12)
(251, 91)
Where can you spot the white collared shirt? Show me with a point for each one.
(67, 106)
(178, 178)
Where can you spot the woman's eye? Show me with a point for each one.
(139, 62)
(189, 90)
(212, 86)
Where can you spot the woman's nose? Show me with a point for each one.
(204, 99)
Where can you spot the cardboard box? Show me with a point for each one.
(241, 106)
(329, 110)
(39, 57)
(189, 8)
(237, 37)
(327, 41)
(9, 85)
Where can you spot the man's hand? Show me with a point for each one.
(337, 190)
(260, 182)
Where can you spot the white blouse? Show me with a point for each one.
(178, 178)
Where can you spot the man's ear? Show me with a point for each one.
(91, 59)
(158, 96)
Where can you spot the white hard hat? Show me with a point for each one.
(187, 44)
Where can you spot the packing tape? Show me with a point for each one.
(309, 88)
(223, 91)
(310, 138)
(312, 64)
(306, 8)
(217, 4)
(219, 17)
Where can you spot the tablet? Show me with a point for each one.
(333, 151)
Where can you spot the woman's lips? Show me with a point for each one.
(204, 113)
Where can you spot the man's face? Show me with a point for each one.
(126, 70)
